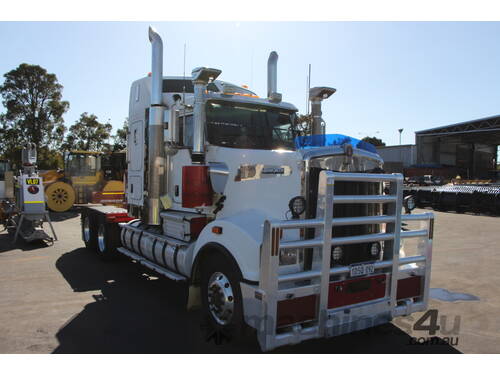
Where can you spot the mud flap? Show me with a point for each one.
(194, 298)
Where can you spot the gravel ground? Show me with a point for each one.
(63, 299)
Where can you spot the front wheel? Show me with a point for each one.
(221, 297)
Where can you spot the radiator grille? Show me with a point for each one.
(357, 252)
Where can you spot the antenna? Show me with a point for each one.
(308, 88)
(251, 70)
(184, 78)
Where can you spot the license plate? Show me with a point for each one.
(32, 181)
(362, 269)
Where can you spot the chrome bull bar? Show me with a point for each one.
(273, 287)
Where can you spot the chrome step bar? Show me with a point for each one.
(143, 261)
(274, 287)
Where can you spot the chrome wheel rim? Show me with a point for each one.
(220, 298)
(100, 239)
(86, 229)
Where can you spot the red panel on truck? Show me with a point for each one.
(341, 293)
(349, 292)
(409, 287)
(196, 186)
(296, 310)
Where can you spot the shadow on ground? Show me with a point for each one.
(6, 238)
(61, 216)
(136, 313)
(6, 243)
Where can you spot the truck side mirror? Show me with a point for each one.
(409, 203)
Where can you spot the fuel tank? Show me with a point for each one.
(148, 242)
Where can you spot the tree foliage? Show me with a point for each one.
(304, 124)
(88, 134)
(374, 141)
(34, 113)
(120, 138)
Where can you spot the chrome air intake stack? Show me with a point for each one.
(155, 166)
(316, 96)
(201, 77)
(272, 78)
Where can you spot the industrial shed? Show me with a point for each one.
(468, 148)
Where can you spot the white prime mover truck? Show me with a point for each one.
(297, 236)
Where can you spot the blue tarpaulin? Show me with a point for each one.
(322, 140)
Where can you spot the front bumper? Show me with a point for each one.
(326, 302)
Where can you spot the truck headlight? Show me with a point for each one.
(337, 253)
(290, 256)
(297, 206)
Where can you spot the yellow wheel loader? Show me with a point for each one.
(88, 177)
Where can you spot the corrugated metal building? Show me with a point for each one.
(470, 147)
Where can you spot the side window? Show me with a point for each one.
(186, 126)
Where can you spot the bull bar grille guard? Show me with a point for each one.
(261, 301)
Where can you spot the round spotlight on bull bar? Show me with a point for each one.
(374, 249)
(337, 253)
(297, 206)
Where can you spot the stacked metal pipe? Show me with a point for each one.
(479, 199)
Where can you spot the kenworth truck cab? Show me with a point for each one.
(296, 235)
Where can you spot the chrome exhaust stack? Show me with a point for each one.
(272, 78)
(201, 77)
(156, 167)
(316, 96)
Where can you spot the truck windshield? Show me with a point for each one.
(239, 125)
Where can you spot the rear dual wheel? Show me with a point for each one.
(89, 230)
(108, 239)
(99, 235)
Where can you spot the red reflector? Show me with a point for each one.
(217, 230)
(409, 287)
(296, 310)
(349, 292)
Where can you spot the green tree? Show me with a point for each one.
(120, 138)
(374, 141)
(34, 113)
(88, 134)
(303, 124)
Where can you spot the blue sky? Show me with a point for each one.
(388, 75)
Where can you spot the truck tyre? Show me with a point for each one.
(108, 239)
(89, 230)
(221, 297)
